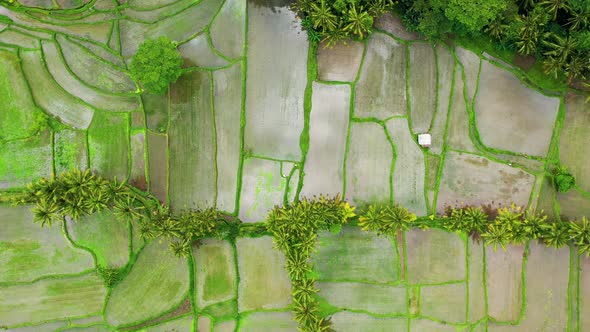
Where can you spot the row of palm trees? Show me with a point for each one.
(78, 193)
(336, 20)
(295, 230)
(505, 226)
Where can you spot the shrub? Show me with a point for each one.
(109, 276)
(563, 180)
(336, 20)
(156, 64)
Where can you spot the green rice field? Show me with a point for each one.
(262, 117)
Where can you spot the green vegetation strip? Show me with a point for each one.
(294, 227)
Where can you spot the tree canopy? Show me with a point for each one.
(156, 64)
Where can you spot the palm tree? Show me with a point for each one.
(379, 7)
(297, 265)
(115, 191)
(561, 47)
(397, 219)
(46, 212)
(358, 23)
(580, 234)
(534, 224)
(304, 288)
(169, 227)
(529, 33)
(305, 312)
(322, 16)
(527, 4)
(96, 202)
(127, 208)
(496, 235)
(147, 230)
(557, 234)
(335, 36)
(78, 182)
(75, 208)
(181, 248)
(579, 19)
(553, 66)
(553, 6)
(496, 28)
(371, 220)
(575, 68)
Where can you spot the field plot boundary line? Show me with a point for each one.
(96, 89)
(58, 86)
(68, 237)
(312, 74)
(351, 117)
(573, 289)
(214, 127)
(288, 182)
(243, 110)
(148, 9)
(445, 146)
(58, 276)
(65, 23)
(64, 11)
(164, 17)
(76, 42)
(129, 145)
(477, 141)
(393, 161)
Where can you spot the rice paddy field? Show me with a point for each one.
(262, 118)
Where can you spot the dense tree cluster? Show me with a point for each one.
(336, 20)
(555, 31)
(156, 64)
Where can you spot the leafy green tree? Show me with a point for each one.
(156, 64)
(474, 15)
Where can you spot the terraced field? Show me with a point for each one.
(260, 118)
